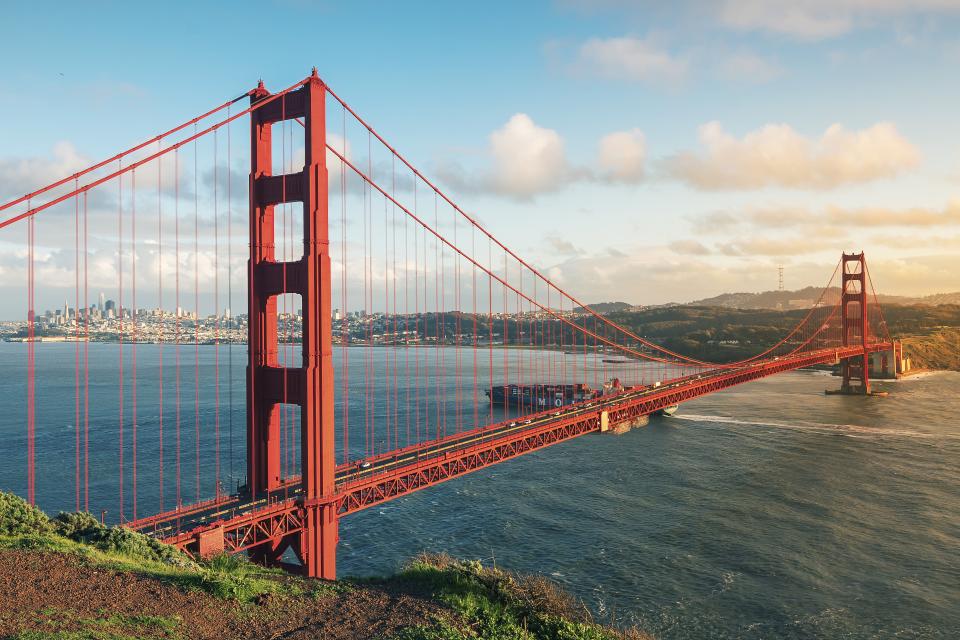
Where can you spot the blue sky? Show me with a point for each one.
(833, 122)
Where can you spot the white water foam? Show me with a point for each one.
(849, 430)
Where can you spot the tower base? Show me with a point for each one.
(854, 391)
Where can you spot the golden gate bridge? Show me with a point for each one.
(336, 215)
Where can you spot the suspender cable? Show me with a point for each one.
(475, 311)
(396, 390)
(406, 319)
(416, 305)
(459, 311)
(196, 323)
(86, 364)
(216, 316)
(161, 320)
(344, 338)
(436, 302)
(133, 339)
(489, 322)
(442, 338)
(76, 346)
(31, 362)
(282, 348)
(387, 392)
(230, 294)
(176, 217)
(506, 351)
(120, 333)
(367, 205)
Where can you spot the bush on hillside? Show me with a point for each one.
(83, 527)
(18, 518)
(79, 526)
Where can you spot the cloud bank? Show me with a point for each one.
(778, 156)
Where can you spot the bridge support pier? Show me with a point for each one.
(310, 386)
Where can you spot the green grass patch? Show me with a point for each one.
(57, 624)
(499, 605)
(80, 534)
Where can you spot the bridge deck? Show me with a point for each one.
(246, 522)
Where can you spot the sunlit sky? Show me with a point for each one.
(638, 151)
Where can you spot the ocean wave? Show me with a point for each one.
(850, 430)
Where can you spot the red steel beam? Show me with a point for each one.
(271, 523)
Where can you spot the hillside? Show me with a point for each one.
(723, 334)
(70, 578)
(806, 297)
(939, 349)
(606, 307)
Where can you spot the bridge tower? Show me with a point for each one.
(268, 384)
(853, 306)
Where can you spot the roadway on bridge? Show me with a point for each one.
(188, 518)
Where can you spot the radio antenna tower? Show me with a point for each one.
(780, 270)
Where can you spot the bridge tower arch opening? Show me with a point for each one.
(310, 386)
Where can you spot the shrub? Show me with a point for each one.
(79, 526)
(18, 518)
(136, 545)
(83, 527)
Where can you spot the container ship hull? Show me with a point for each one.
(538, 397)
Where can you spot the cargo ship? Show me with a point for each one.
(535, 397)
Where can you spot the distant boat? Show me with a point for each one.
(616, 361)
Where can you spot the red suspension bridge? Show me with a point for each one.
(343, 409)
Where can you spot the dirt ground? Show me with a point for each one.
(47, 592)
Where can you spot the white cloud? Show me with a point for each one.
(749, 67)
(819, 19)
(763, 246)
(627, 58)
(688, 248)
(800, 19)
(562, 246)
(831, 219)
(623, 155)
(776, 155)
(527, 160)
(19, 176)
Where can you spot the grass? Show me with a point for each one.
(484, 603)
(66, 625)
(227, 577)
(81, 535)
(493, 604)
